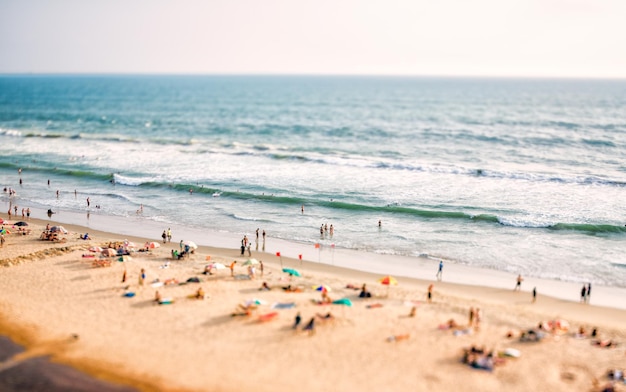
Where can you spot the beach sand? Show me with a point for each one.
(58, 305)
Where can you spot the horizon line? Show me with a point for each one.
(269, 74)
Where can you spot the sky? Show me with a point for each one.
(501, 38)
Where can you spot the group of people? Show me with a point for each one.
(25, 212)
(309, 327)
(324, 229)
(167, 235)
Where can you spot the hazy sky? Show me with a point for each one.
(563, 38)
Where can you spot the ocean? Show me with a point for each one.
(524, 176)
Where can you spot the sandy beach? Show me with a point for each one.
(61, 301)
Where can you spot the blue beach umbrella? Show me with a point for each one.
(321, 287)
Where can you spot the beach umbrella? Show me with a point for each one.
(291, 271)
(95, 249)
(109, 252)
(60, 229)
(152, 245)
(191, 244)
(321, 287)
(388, 281)
(251, 262)
(343, 301)
(21, 223)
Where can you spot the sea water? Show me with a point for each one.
(526, 176)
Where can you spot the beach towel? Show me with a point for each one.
(267, 316)
(284, 305)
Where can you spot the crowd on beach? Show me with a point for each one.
(312, 314)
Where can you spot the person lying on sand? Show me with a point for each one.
(291, 289)
(325, 317)
(244, 310)
(396, 338)
(532, 336)
(478, 358)
(264, 286)
(450, 324)
(604, 343)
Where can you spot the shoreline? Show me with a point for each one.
(137, 340)
(421, 268)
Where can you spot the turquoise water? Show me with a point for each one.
(519, 175)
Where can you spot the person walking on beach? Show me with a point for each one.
(142, 277)
(88, 202)
(261, 267)
(169, 235)
(297, 321)
(164, 236)
(2, 240)
(243, 246)
(440, 271)
(518, 285)
(310, 326)
(430, 293)
(472, 314)
(588, 293)
(583, 294)
(249, 249)
(232, 268)
(534, 294)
